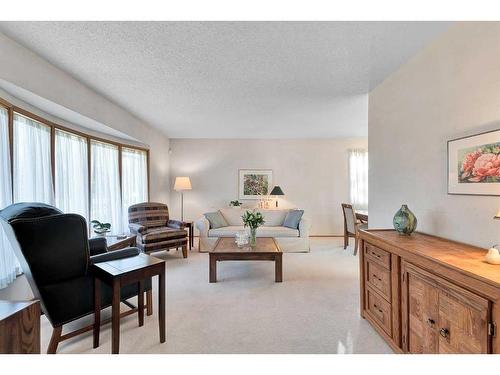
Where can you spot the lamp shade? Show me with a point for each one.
(276, 191)
(497, 216)
(182, 183)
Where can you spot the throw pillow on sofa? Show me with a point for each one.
(292, 219)
(216, 220)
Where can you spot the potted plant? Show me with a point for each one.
(235, 203)
(100, 228)
(253, 220)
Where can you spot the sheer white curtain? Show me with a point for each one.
(32, 166)
(134, 180)
(105, 186)
(9, 266)
(358, 176)
(71, 173)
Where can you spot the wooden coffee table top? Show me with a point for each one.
(228, 245)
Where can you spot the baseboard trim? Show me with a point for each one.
(327, 235)
(315, 235)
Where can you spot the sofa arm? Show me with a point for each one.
(136, 228)
(304, 227)
(113, 255)
(203, 226)
(98, 246)
(175, 224)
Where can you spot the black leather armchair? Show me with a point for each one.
(56, 257)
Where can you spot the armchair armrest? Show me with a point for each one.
(113, 255)
(136, 228)
(203, 225)
(98, 246)
(304, 226)
(175, 224)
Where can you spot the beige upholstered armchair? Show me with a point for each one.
(154, 229)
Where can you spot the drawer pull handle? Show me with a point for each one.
(431, 321)
(373, 253)
(378, 308)
(378, 278)
(444, 332)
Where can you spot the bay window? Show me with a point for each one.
(105, 185)
(71, 173)
(9, 266)
(134, 179)
(32, 161)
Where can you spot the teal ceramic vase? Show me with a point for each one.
(404, 221)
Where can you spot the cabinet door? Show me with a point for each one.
(463, 322)
(441, 317)
(422, 315)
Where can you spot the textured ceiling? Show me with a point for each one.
(233, 79)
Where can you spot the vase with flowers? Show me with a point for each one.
(253, 220)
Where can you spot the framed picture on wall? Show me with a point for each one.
(474, 164)
(255, 183)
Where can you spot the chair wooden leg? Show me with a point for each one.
(346, 240)
(54, 340)
(140, 303)
(356, 245)
(184, 251)
(149, 302)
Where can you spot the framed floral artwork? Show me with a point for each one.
(255, 183)
(474, 164)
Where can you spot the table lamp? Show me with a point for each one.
(497, 216)
(275, 192)
(181, 184)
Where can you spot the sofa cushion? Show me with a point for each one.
(233, 215)
(161, 234)
(216, 219)
(292, 219)
(263, 231)
(273, 218)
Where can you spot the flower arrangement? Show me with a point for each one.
(253, 220)
(481, 165)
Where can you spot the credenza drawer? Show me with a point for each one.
(379, 278)
(380, 256)
(379, 310)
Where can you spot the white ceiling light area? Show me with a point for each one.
(233, 79)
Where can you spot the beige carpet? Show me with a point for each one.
(314, 310)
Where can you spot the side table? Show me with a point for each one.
(117, 273)
(190, 225)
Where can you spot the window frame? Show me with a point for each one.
(11, 109)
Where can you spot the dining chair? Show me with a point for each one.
(351, 226)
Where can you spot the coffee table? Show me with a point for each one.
(226, 249)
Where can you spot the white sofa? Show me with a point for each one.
(288, 239)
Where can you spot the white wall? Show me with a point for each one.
(450, 89)
(313, 174)
(24, 69)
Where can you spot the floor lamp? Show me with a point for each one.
(181, 184)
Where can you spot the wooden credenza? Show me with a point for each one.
(425, 294)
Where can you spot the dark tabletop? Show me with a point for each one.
(122, 266)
